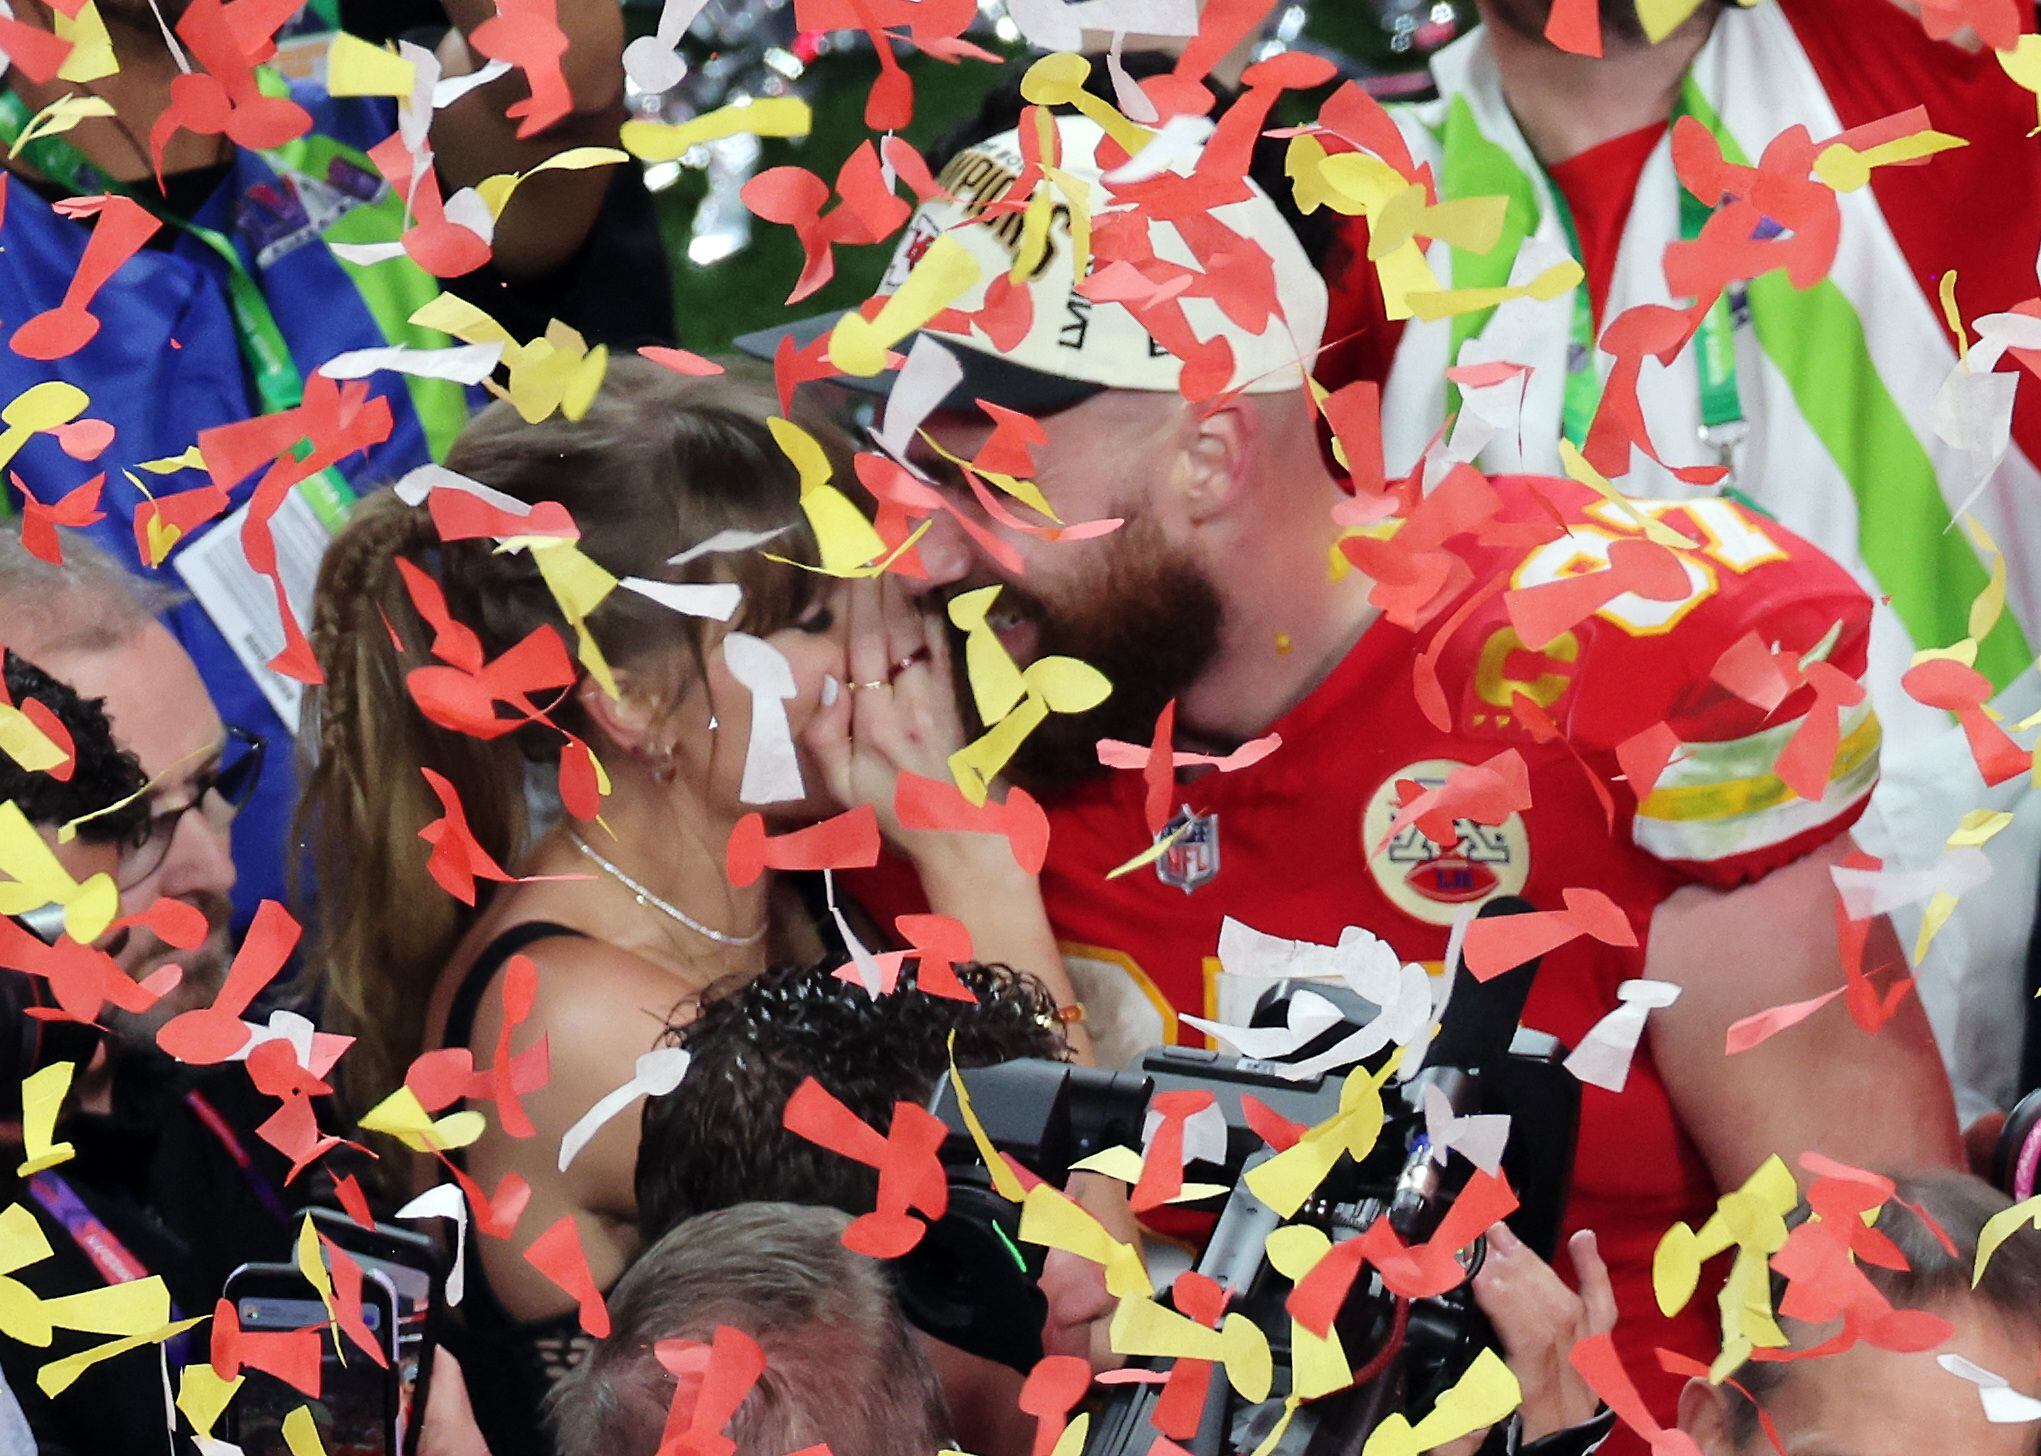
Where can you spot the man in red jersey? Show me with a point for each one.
(1225, 591)
(1829, 401)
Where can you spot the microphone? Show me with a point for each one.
(1475, 1031)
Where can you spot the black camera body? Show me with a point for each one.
(973, 1281)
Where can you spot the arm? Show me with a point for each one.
(1877, 1101)
(549, 217)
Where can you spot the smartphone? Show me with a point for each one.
(411, 1261)
(356, 1409)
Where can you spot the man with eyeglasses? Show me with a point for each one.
(93, 626)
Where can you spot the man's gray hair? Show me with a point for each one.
(841, 1366)
(88, 603)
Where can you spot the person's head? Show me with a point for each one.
(93, 626)
(1871, 1402)
(840, 1366)
(717, 1139)
(100, 798)
(657, 465)
(1212, 497)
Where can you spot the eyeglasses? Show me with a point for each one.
(219, 794)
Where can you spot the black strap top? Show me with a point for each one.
(509, 1364)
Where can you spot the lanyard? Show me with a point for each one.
(278, 384)
(114, 1262)
(210, 1119)
(1723, 424)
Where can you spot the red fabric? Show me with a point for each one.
(1292, 861)
(1599, 186)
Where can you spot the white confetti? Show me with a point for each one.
(658, 1072)
(772, 769)
(1604, 1055)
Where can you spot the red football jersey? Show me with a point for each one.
(1283, 845)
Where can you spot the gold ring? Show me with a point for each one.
(877, 683)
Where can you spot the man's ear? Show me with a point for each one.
(1704, 1415)
(1219, 458)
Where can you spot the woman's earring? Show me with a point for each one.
(665, 771)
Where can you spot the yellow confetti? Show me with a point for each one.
(1661, 18)
(1152, 853)
(2023, 64)
(858, 345)
(91, 56)
(1562, 277)
(354, 67)
(2000, 1227)
(1752, 1220)
(847, 541)
(773, 116)
(1979, 827)
(56, 1377)
(1123, 1165)
(1991, 602)
(189, 460)
(1284, 1181)
(59, 117)
(1318, 1363)
(1486, 1394)
(1005, 1182)
(312, 1264)
(578, 586)
(496, 191)
(555, 371)
(1058, 80)
(301, 1433)
(984, 758)
(38, 879)
(1845, 169)
(996, 680)
(1143, 1327)
(1054, 1220)
(21, 740)
(402, 1116)
(37, 408)
(42, 1098)
(202, 1396)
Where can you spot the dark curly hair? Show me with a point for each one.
(104, 773)
(716, 1140)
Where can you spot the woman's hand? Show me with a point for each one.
(897, 713)
(449, 1426)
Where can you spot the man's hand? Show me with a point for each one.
(449, 1427)
(1539, 1321)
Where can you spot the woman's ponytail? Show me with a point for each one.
(382, 932)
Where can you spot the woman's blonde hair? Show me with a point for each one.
(657, 464)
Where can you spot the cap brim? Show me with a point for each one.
(989, 377)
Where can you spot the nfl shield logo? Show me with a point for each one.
(1192, 858)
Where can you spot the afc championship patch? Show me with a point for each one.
(1430, 882)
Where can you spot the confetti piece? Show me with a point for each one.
(213, 1034)
(1479, 1138)
(772, 116)
(2003, 1405)
(1762, 1026)
(1480, 1398)
(1845, 169)
(858, 345)
(354, 67)
(1602, 1368)
(1503, 942)
(657, 1073)
(444, 1200)
(2000, 1227)
(922, 803)
(558, 1255)
(772, 768)
(653, 62)
(42, 1099)
(1284, 1181)
(402, 1116)
(911, 1176)
(710, 1383)
(1602, 1057)
(76, 509)
(847, 542)
(37, 878)
(680, 361)
(1143, 1327)
(463, 364)
(301, 1433)
(123, 227)
(849, 840)
(1054, 1220)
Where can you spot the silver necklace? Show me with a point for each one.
(646, 897)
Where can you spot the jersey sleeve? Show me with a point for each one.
(1721, 812)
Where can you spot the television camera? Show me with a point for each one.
(973, 1280)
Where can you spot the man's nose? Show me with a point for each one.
(201, 859)
(946, 553)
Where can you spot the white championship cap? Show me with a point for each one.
(1075, 346)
